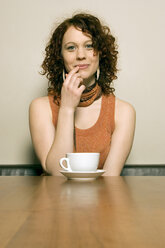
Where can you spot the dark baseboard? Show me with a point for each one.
(21, 170)
(143, 170)
(36, 170)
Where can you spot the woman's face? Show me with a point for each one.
(77, 50)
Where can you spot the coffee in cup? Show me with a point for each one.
(81, 161)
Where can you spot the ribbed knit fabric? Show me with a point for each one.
(98, 137)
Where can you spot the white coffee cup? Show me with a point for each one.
(81, 161)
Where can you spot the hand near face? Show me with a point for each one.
(72, 90)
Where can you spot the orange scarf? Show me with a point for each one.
(89, 95)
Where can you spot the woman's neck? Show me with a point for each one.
(89, 81)
(90, 94)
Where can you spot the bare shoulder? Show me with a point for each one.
(40, 106)
(123, 106)
(124, 110)
(40, 101)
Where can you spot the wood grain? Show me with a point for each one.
(107, 212)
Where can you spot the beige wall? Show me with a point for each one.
(139, 28)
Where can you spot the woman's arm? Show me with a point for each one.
(122, 138)
(50, 144)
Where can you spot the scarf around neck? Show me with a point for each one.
(89, 95)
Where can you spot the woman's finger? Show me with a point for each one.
(81, 88)
(71, 73)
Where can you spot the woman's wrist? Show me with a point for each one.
(67, 110)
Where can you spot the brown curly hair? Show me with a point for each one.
(103, 42)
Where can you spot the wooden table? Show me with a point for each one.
(107, 212)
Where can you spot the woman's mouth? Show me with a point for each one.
(83, 66)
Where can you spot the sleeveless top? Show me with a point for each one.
(98, 137)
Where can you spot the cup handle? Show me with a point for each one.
(68, 168)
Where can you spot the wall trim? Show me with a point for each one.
(36, 170)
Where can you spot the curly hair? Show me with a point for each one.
(103, 42)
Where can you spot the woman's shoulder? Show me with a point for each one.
(124, 109)
(40, 100)
(122, 105)
(40, 105)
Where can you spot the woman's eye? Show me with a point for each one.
(89, 46)
(70, 48)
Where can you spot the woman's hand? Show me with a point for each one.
(72, 90)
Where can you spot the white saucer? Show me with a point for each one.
(82, 175)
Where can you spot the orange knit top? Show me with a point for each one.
(98, 137)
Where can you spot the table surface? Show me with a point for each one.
(107, 212)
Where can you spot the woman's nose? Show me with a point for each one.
(80, 53)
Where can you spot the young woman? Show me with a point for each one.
(81, 112)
